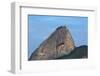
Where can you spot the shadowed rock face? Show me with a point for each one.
(59, 43)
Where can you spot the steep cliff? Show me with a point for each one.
(58, 44)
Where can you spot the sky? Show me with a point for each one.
(40, 27)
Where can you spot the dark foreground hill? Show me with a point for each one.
(78, 52)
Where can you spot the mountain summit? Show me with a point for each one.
(58, 44)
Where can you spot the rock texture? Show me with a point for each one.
(59, 43)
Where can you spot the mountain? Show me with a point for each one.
(78, 52)
(58, 44)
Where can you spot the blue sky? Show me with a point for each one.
(40, 27)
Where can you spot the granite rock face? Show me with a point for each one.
(59, 43)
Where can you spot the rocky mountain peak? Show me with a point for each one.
(59, 43)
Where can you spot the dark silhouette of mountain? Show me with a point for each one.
(58, 44)
(78, 52)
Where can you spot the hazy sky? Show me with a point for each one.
(40, 27)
